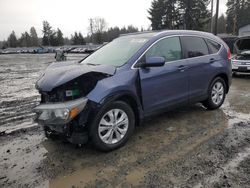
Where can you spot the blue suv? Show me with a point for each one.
(104, 96)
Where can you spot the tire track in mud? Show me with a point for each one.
(18, 95)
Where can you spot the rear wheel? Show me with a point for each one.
(113, 126)
(216, 94)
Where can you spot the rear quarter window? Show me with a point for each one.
(194, 46)
(213, 46)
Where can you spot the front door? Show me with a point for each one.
(165, 86)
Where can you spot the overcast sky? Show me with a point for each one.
(72, 15)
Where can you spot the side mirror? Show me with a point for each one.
(154, 62)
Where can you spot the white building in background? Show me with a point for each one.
(244, 31)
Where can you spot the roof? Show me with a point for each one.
(162, 33)
(158, 32)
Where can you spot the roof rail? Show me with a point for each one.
(138, 33)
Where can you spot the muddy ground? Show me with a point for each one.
(187, 147)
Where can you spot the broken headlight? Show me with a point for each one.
(60, 113)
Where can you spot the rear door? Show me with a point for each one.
(200, 63)
(164, 86)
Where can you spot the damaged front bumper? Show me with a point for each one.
(60, 118)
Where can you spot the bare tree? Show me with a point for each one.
(97, 26)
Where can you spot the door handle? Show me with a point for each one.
(182, 68)
(212, 60)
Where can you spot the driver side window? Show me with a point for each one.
(169, 48)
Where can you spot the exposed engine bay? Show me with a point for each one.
(242, 46)
(78, 87)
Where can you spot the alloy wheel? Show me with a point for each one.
(217, 93)
(113, 126)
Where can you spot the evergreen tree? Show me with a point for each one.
(25, 40)
(5, 44)
(12, 40)
(74, 38)
(132, 29)
(81, 40)
(171, 18)
(172, 14)
(157, 13)
(233, 9)
(67, 41)
(195, 13)
(59, 37)
(222, 24)
(113, 33)
(34, 37)
(77, 39)
(48, 34)
(244, 15)
(238, 15)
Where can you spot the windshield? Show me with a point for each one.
(117, 52)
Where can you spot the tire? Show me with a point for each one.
(107, 135)
(214, 95)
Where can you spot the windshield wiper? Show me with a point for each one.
(83, 58)
(92, 64)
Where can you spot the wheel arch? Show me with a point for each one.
(131, 100)
(225, 78)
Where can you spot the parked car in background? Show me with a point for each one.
(241, 61)
(103, 97)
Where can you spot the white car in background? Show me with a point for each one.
(241, 61)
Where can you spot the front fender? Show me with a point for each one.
(123, 82)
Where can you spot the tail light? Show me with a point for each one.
(228, 54)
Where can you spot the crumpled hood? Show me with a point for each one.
(59, 73)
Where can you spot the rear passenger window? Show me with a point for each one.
(169, 48)
(213, 46)
(194, 46)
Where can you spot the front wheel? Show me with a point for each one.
(216, 94)
(113, 126)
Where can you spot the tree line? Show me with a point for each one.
(179, 14)
(163, 14)
(98, 33)
(238, 15)
(26, 39)
(195, 15)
